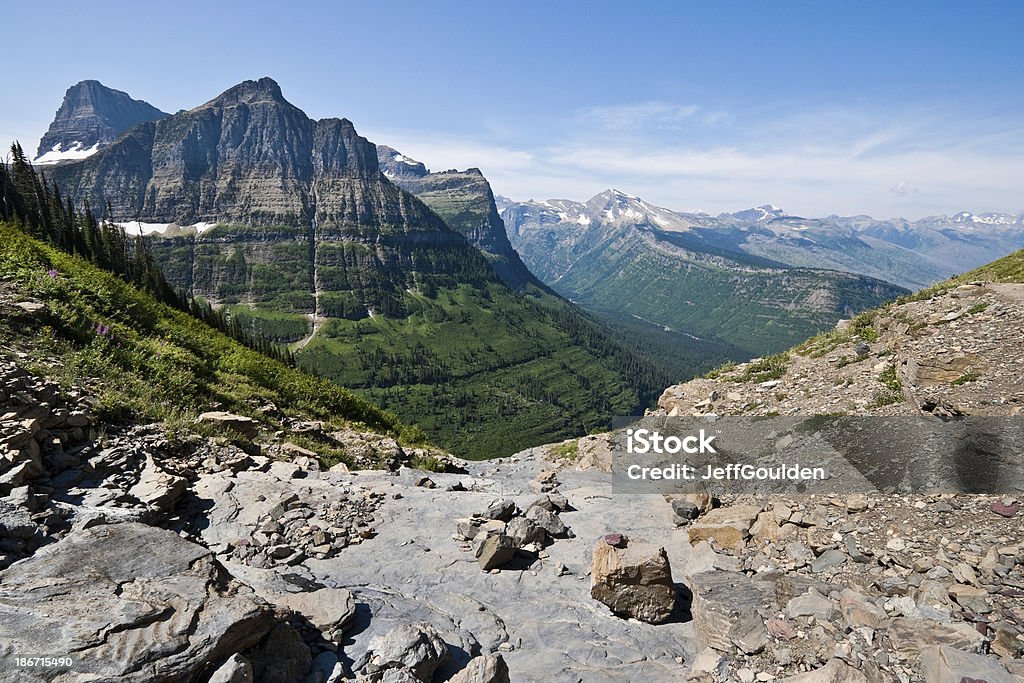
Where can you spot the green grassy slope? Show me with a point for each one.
(154, 362)
(487, 371)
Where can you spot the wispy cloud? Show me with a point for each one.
(810, 161)
(645, 115)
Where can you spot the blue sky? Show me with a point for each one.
(892, 109)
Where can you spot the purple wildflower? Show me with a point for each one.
(52, 272)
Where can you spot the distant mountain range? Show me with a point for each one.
(629, 260)
(723, 276)
(912, 254)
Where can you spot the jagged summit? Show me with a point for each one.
(91, 115)
(396, 165)
(261, 90)
(246, 156)
(763, 213)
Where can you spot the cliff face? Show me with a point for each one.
(92, 115)
(288, 194)
(465, 201)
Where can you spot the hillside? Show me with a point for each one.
(143, 360)
(952, 349)
(611, 257)
(290, 225)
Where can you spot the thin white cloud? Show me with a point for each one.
(658, 115)
(907, 163)
(442, 152)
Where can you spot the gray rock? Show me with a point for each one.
(684, 511)
(635, 581)
(945, 664)
(157, 488)
(417, 647)
(485, 669)
(552, 502)
(548, 521)
(827, 560)
(524, 531)
(500, 509)
(237, 669)
(725, 611)
(124, 595)
(496, 550)
(811, 604)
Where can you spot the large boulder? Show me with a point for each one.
(133, 602)
(485, 669)
(245, 426)
(494, 551)
(416, 647)
(633, 578)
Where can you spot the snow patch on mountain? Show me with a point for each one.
(141, 228)
(75, 151)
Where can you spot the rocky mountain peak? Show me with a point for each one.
(765, 212)
(265, 89)
(394, 164)
(91, 115)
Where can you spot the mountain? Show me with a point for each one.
(290, 225)
(619, 256)
(913, 254)
(91, 115)
(466, 203)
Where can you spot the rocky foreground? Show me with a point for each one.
(235, 558)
